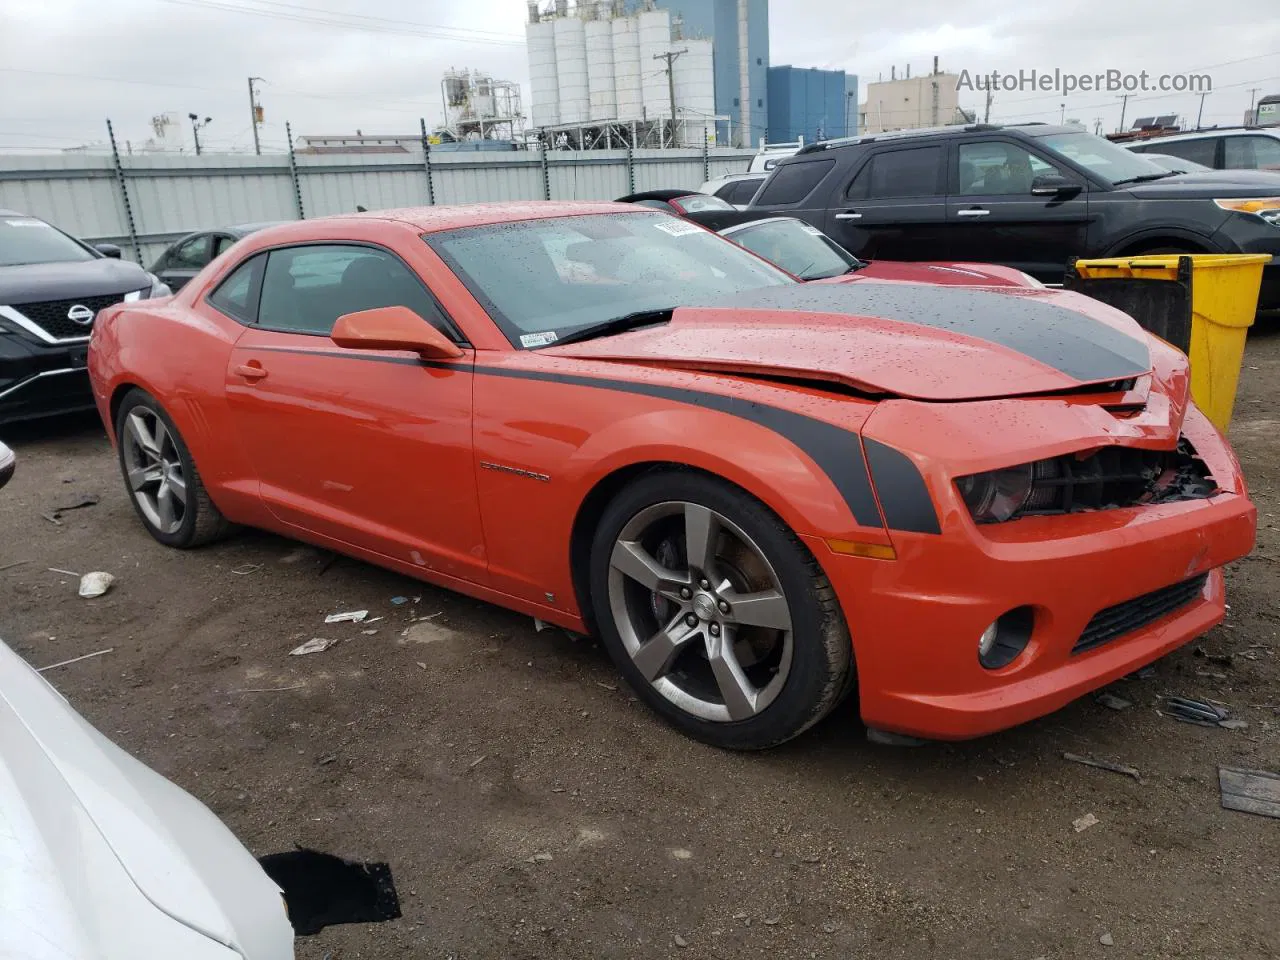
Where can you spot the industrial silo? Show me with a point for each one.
(655, 40)
(571, 69)
(543, 81)
(695, 91)
(604, 101)
(626, 67)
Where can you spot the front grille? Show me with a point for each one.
(1123, 618)
(1118, 477)
(51, 315)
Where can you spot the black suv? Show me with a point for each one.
(51, 288)
(1027, 196)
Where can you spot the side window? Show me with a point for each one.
(899, 173)
(1252, 153)
(221, 244)
(237, 295)
(792, 182)
(306, 289)
(1201, 151)
(998, 169)
(191, 255)
(742, 191)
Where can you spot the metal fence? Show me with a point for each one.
(145, 202)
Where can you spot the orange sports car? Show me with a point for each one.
(971, 504)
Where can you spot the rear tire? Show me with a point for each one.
(715, 613)
(161, 478)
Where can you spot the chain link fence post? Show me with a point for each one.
(631, 170)
(122, 183)
(293, 173)
(706, 155)
(426, 162)
(546, 170)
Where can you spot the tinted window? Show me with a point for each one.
(1252, 153)
(796, 247)
(792, 182)
(306, 289)
(542, 279)
(900, 173)
(191, 254)
(1200, 151)
(28, 240)
(740, 191)
(237, 295)
(221, 244)
(998, 169)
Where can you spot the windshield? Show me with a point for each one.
(796, 247)
(1102, 157)
(543, 279)
(1176, 164)
(25, 240)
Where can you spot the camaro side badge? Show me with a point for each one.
(503, 468)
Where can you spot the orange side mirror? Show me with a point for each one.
(393, 328)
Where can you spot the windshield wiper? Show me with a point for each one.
(628, 321)
(854, 267)
(1145, 178)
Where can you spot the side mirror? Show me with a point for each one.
(393, 328)
(108, 250)
(7, 461)
(1052, 185)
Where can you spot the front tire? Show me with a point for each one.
(161, 476)
(715, 613)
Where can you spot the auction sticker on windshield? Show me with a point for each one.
(678, 228)
(531, 340)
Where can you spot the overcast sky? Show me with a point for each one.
(338, 65)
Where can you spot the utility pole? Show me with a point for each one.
(986, 114)
(1097, 126)
(1200, 113)
(1124, 106)
(670, 58)
(196, 125)
(1253, 92)
(255, 114)
(1062, 115)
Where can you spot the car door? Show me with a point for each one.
(368, 448)
(893, 207)
(185, 260)
(994, 217)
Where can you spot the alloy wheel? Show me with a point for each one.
(153, 467)
(701, 611)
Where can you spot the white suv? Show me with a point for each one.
(1240, 148)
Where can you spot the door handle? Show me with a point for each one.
(973, 212)
(251, 371)
(850, 215)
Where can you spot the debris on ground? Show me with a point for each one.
(1146, 673)
(69, 573)
(1250, 791)
(351, 616)
(321, 890)
(477, 761)
(51, 518)
(772, 921)
(539, 858)
(368, 633)
(398, 601)
(1221, 659)
(1234, 724)
(88, 500)
(1107, 940)
(1084, 823)
(15, 563)
(680, 941)
(246, 568)
(87, 656)
(1200, 712)
(1112, 702)
(95, 584)
(296, 686)
(314, 645)
(1103, 765)
(540, 625)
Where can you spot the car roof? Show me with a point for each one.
(244, 229)
(13, 213)
(952, 130)
(750, 175)
(1211, 132)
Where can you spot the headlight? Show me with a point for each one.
(1268, 208)
(996, 496)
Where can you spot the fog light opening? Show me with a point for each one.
(1006, 638)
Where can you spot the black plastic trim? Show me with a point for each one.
(904, 498)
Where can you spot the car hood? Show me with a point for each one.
(896, 339)
(1209, 184)
(99, 847)
(30, 283)
(945, 274)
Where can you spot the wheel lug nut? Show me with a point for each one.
(705, 585)
(724, 607)
(715, 629)
(691, 620)
(685, 593)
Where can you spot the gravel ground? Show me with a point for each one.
(529, 807)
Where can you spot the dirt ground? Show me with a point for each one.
(529, 807)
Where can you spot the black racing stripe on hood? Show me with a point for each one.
(1078, 346)
(835, 450)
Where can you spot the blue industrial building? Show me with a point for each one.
(811, 103)
(717, 21)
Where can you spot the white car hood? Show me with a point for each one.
(101, 858)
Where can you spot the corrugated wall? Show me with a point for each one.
(173, 195)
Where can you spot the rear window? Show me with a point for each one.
(739, 191)
(792, 182)
(899, 173)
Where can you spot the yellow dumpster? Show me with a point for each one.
(1221, 291)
